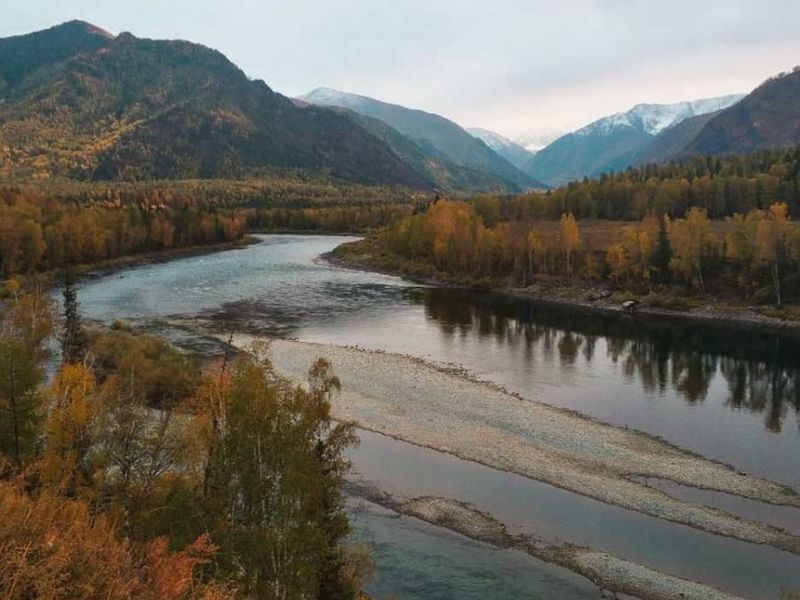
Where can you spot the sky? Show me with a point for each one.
(528, 69)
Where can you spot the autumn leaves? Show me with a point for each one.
(485, 239)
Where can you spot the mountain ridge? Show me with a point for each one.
(91, 106)
(514, 153)
(615, 141)
(433, 133)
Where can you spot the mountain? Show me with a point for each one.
(440, 138)
(442, 174)
(78, 102)
(672, 142)
(511, 151)
(768, 117)
(613, 142)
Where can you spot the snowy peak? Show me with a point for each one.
(495, 141)
(655, 118)
(511, 151)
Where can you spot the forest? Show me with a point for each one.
(60, 224)
(43, 228)
(136, 471)
(721, 186)
(755, 256)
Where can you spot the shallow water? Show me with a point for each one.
(555, 515)
(415, 560)
(730, 395)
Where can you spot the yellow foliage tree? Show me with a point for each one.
(693, 242)
(570, 240)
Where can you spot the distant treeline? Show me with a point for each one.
(55, 225)
(721, 186)
(327, 219)
(38, 232)
(289, 190)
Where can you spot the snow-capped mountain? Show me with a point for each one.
(511, 151)
(617, 141)
(655, 118)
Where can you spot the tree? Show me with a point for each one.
(20, 402)
(662, 253)
(69, 429)
(276, 469)
(692, 242)
(570, 240)
(73, 338)
(23, 334)
(55, 548)
(773, 247)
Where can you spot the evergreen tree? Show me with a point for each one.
(20, 376)
(73, 338)
(662, 255)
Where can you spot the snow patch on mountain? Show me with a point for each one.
(323, 96)
(655, 118)
(495, 141)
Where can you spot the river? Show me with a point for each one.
(728, 394)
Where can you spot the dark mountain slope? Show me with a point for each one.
(671, 142)
(21, 55)
(145, 109)
(436, 168)
(769, 117)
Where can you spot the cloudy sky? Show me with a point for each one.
(520, 67)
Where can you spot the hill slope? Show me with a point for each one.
(769, 117)
(80, 103)
(436, 136)
(511, 151)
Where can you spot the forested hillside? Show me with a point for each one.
(77, 104)
(721, 186)
(769, 117)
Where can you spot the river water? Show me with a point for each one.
(731, 395)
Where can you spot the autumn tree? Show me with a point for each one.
(69, 429)
(570, 240)
(692, 241)
(773, 244)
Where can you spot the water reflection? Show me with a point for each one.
(761, 369)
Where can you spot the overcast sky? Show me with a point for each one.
(519, 67)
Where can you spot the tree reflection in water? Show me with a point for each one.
(760, 368)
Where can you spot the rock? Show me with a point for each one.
(629, 306)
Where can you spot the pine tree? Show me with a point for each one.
(73, 338)
(663, 251)
(20, 403)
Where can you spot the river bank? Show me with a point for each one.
(446, 410)
(592, 298)
(443, 409)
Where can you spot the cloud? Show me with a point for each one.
(517, 66)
